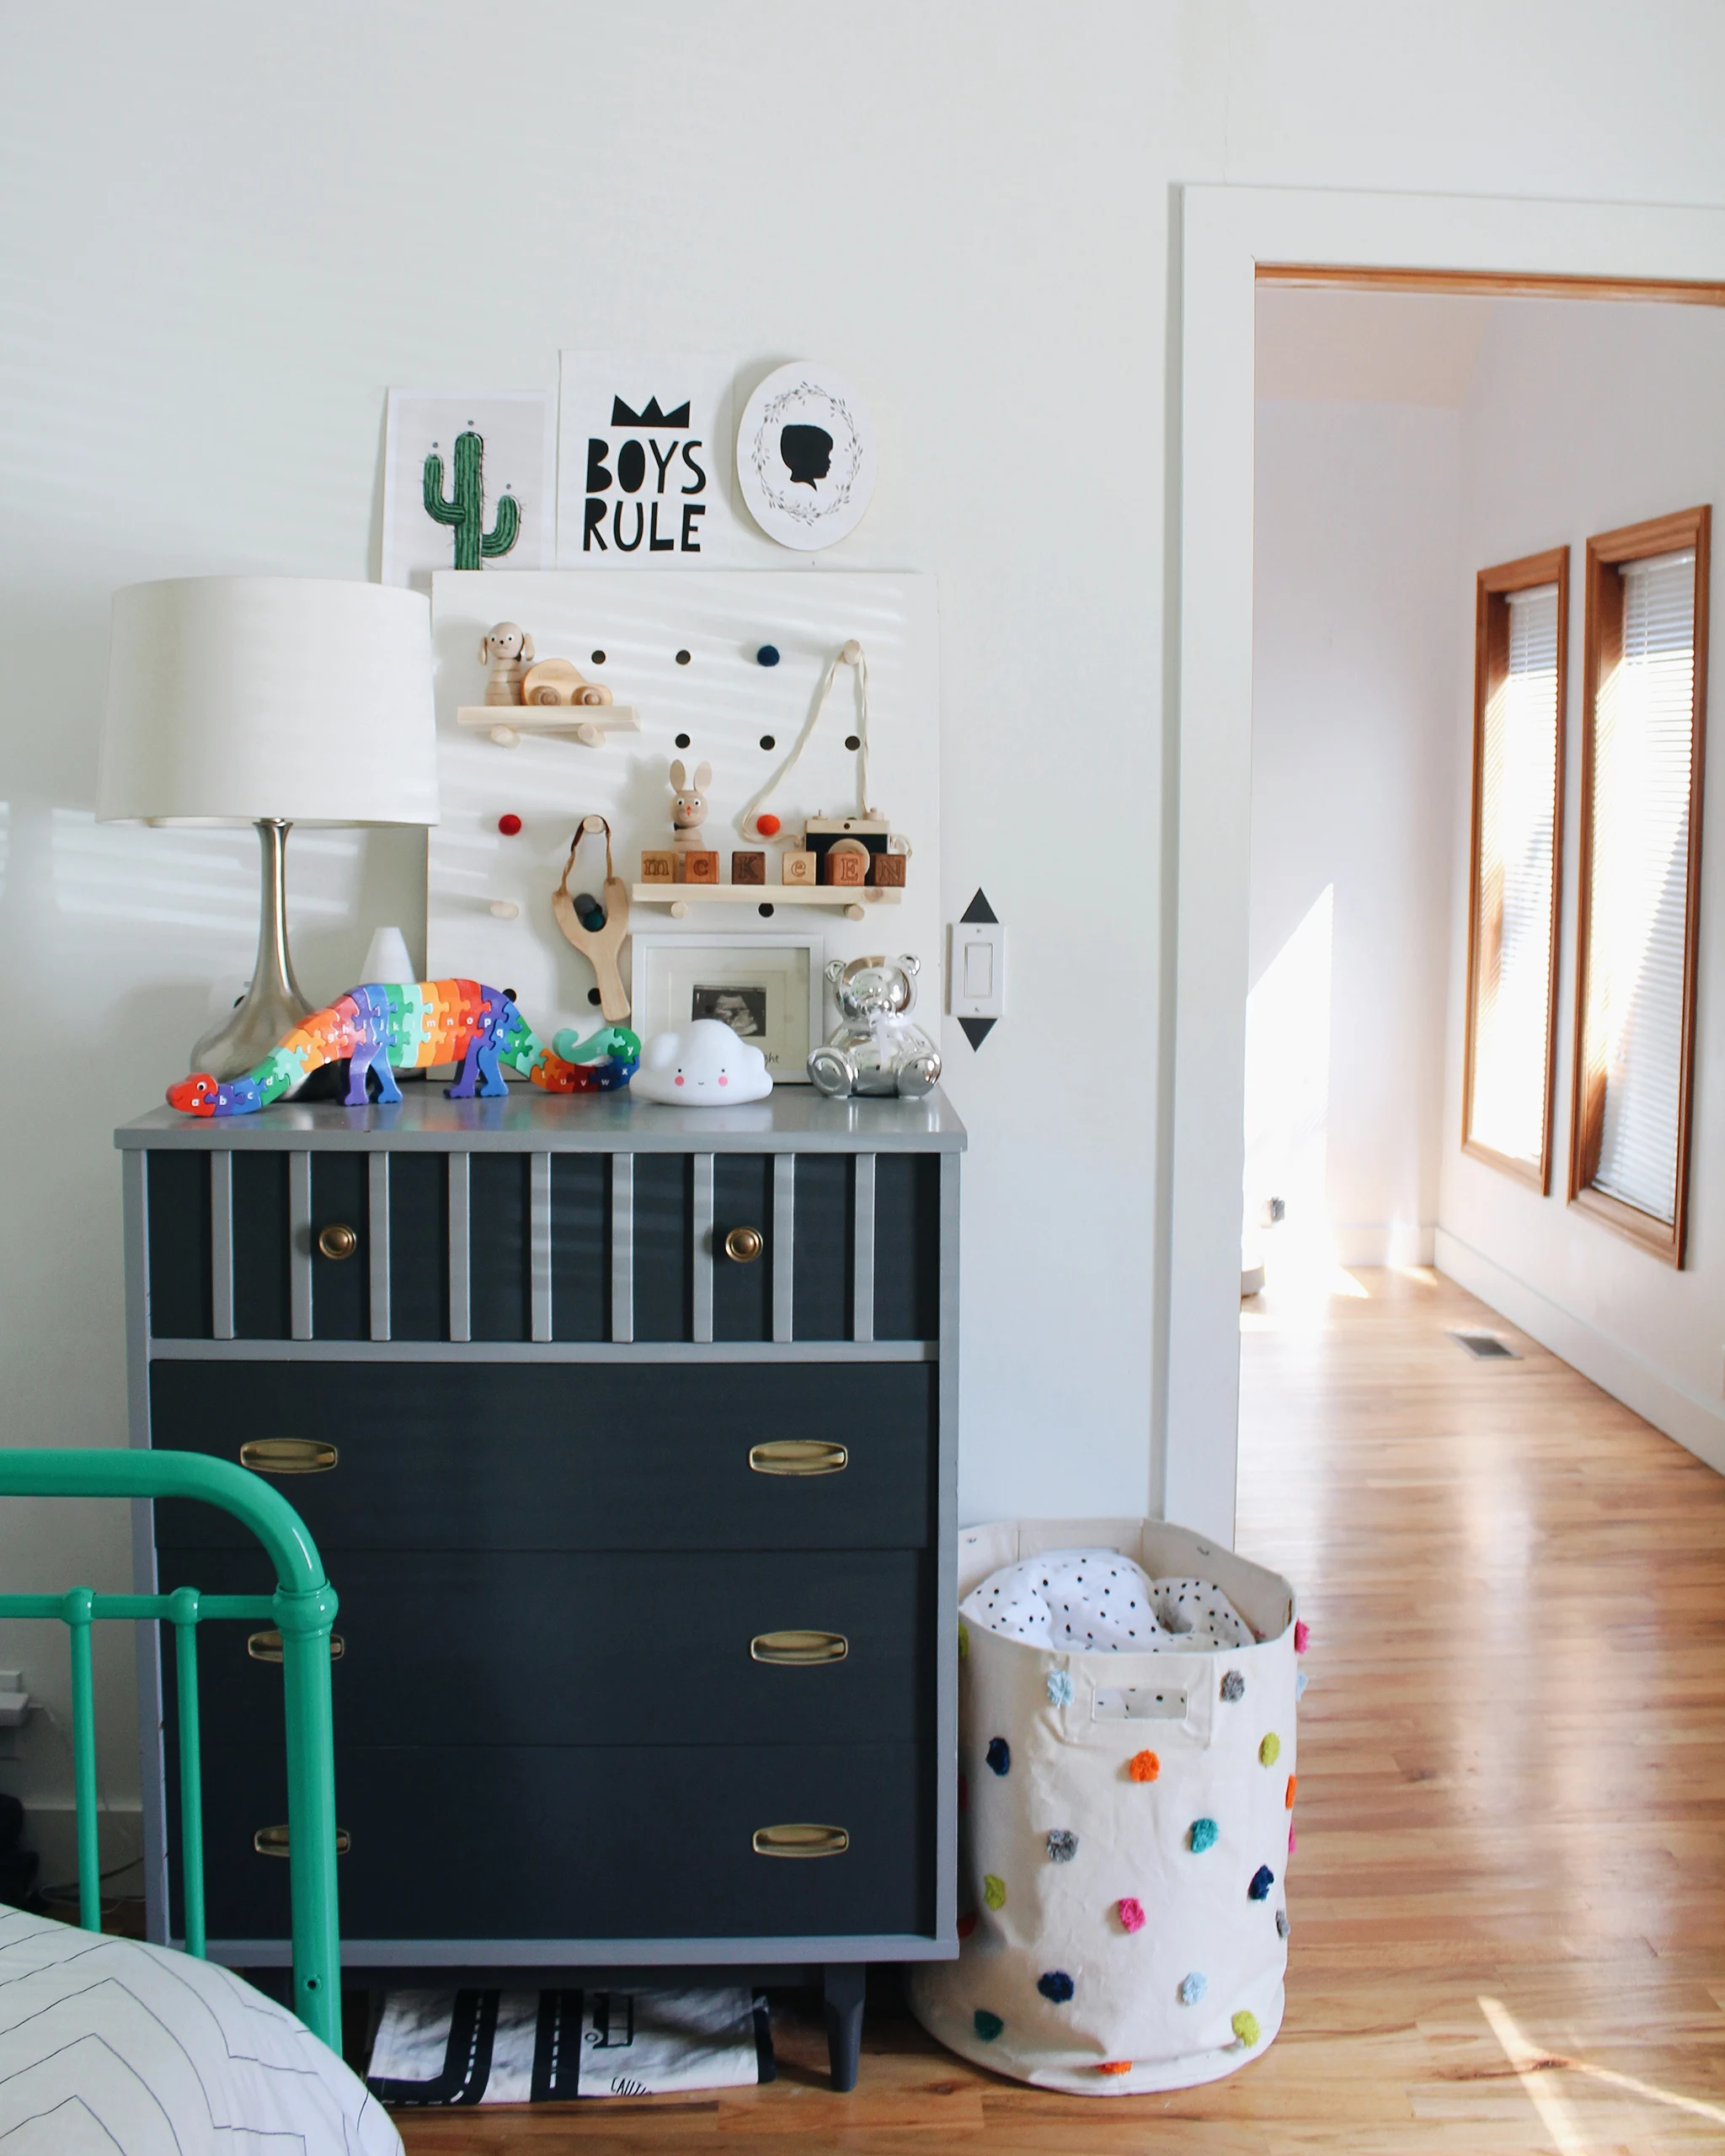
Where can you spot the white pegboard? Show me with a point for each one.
(724, 701)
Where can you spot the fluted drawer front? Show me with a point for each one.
(542, 1456)
(552, 1842)
(608, 1648)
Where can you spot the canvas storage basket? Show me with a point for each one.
(1118, 1815)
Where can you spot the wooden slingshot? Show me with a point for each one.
(599, 946)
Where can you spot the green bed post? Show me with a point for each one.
(304, 1618)
(79, 1609)
(304, 1606)
(185, 1602)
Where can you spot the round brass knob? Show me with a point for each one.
(745, 1245)
(338, 1240)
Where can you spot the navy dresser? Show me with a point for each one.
(628, 1434)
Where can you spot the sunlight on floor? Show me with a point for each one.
(1534, 2069)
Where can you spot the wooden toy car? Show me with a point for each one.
(558, 682)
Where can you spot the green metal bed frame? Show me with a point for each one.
(303, 1608)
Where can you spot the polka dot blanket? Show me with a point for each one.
(1126, 1780)
(1101, 1602)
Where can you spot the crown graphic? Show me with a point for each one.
(650, 415)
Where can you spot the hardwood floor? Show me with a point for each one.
(1509, 1900)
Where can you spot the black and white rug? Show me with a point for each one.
(438, 2047)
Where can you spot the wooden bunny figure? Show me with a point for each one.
(508, 648)
(689, 810)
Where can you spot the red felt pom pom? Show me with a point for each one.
(1130, 1911)
(766, 825)
(1144, 1766)
(508, 826)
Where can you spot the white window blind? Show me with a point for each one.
(1513, 956)
(1638, 905)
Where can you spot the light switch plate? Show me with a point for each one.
(976, 969)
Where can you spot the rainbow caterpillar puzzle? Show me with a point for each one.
(391, 1027)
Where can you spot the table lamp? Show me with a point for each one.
(272, 700)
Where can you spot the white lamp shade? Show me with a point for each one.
(232, 698)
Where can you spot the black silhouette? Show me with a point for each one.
(807, 452)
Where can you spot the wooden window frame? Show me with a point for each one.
(1602, 645)
(1490, 665)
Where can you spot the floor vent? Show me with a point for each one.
(1485, 1346)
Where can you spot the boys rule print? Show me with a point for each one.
(643, 456)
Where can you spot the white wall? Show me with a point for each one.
(1355, 672)
(1579, 419)
(227, 231)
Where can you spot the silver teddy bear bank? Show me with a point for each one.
(875, 1049)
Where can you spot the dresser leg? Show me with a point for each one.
(846, 1982)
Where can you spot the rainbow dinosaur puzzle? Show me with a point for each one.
(404, 1026)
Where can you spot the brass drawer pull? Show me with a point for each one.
(272, 1841)
(266, 1647)
(337, 1240)
(745, 1245)
(288, 1455)
(798, 1650)
(796, 1841)
(798, 1456)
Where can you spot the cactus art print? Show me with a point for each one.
(470, 483)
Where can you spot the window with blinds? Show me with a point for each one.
(1522, 633)
(1647, 649)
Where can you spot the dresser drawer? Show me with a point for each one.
(557, 1456)
(268, 1243)
(549, 1843)
(592, 1649)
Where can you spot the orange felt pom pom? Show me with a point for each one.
(1144, 1766)
(766, 825)
(1293, 1783)
(1115, 2066)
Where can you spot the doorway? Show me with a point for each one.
(1232, 240)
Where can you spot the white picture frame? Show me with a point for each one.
(773, 984)
(518, 429)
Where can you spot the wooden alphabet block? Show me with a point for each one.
(699, 868)
(797, 868)
(748, 868)
(659, 867)
(846, 868)
(886, 871)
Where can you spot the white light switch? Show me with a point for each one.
(976, 969)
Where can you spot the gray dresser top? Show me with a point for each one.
(793, 1119)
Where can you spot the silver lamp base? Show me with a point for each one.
(273, 1005)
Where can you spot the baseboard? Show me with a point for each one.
(1697, 1425)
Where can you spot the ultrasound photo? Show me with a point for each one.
(744, 1009)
